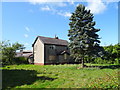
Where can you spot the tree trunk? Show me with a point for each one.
(83, 63)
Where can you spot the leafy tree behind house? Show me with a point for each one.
(113, 53)
(111, 56)
(84, 40)
(8, 51)
(116, 52)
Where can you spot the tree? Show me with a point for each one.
(113, 53)
(8, 51)
(116, 52)
(84, 42)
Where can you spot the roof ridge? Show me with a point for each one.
(51, 38)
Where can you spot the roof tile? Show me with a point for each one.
(47, 40)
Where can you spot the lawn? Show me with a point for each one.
(59, 76)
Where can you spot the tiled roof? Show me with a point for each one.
(47, 40)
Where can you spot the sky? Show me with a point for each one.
(23, 21)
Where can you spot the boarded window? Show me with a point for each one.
(65, 56)
(52, 57)
(61, 58)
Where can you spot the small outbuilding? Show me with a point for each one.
(28, 54)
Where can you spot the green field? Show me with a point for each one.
(59, 76)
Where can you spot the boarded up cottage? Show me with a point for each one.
(50, 51)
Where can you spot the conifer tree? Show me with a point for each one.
(84, 40)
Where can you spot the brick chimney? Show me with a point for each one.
(56, 37)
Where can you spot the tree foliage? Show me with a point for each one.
(113, 53)
(84, 40)
(8, 51)
(111, 56)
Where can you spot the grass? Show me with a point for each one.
(59, 76)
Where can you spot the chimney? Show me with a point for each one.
(56, 37)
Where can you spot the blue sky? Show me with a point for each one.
(23, 21)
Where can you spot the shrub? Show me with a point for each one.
(102, 61)
(16, 60)
(20, 60)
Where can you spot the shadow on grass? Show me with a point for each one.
(14, 77)
(110, 67)
(103, 67)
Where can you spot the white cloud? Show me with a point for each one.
(45, 8)
(55, 11)
(60, 3)
(96, 6)
(43, 1)
(65, 14)
(37, 1)
(26, 28)
(25, 35)
(71, 2)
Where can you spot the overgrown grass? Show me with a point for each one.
(59, 76)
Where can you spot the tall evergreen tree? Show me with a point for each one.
(84, 40)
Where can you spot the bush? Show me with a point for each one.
(102, 61)
(117, 61)
(20, 60)
(6, 62)
(16, 60)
